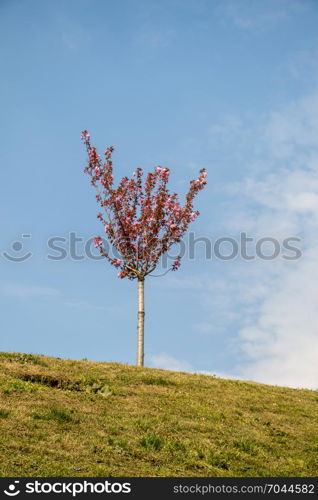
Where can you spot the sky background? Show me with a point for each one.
(228, 85)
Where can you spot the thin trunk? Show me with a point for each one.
(140, 325)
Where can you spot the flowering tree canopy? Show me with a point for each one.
(141, 218)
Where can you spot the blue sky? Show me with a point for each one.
(228, 85)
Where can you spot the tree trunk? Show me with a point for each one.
(140, 325)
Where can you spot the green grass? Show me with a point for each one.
(79, 418)
(57, 414)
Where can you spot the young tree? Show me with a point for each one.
(141, 219)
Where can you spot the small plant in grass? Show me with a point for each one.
(4, 413)
(246, 446)
(143, 424)
(58, 414)
(177, 446)
(151, 442)
(100, 388)
(18, 386)
(200, 453)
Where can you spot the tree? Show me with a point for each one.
(141, 219)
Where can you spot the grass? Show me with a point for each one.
(80, 418)
(57, 414)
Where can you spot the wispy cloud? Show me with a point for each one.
(70, 41)
(227, 130)
(84, 305)
(294, 129)
(282, 344)
(260, 16)
(271, 308)
(205, 327)
(74, 36)
(276, 304)
(25, 291)
(167, 362)
(154, 38)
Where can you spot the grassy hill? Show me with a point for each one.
(80, 418)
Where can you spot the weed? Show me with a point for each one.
(151, 442)
(246, 446)
(18, 386)
(60, 415)
(4, 413)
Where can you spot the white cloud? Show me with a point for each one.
(293, 130)
(224, 375)
(259, 144)
(167, 362)
(282, 345)
(277, 302)
(205, 327)
(229, 128)
(81, 304)
(84, 305)
(258, 16)
(281, 338)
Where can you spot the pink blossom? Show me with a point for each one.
(193, 216)
(176, 264)
(98, 242)
(85, 135)
(146, 219)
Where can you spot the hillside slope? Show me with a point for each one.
(80, 418)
